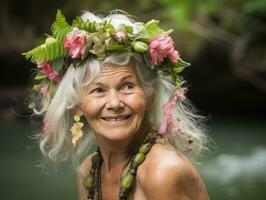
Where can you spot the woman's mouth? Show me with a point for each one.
(115, 118)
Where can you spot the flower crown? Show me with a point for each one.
(73, 44)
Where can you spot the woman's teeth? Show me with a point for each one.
(113, 119)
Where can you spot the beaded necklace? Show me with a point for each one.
(93, 181)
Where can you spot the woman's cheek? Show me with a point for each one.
(137, 103)
(91, 106)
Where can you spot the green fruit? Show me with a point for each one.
(127, 181)
(88, 181)
(76, 118)
(139, 158)
(145, 148)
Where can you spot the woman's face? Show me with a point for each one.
(114, 103)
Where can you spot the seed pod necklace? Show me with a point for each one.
(93, 181)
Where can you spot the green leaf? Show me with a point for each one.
(181, 64)
(60, 27)
(58, 64)
(129, 29)
(85, 25)
(40, 77)
(46, 52)
(36, 88)
(178, 69)
(153, 29)
(88, 48)
(117, 47)
(109, 26)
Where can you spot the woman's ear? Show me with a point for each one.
(78, 111)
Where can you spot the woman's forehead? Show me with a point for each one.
(118, 73)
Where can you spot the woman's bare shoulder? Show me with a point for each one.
(82, 172)
(167, 172)
(85, 166)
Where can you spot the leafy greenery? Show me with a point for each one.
(60, 27)
(87, 26)
(53, 47)
(223, 22)
(46, 52)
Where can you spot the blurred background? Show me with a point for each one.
(224, 40)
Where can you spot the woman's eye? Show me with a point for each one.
(97, 90)
(128, 86)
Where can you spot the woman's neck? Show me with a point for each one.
(116, 155)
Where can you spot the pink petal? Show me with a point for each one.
(44, 90)
(163, 127)
(154, 44)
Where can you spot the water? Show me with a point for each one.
(236, 170)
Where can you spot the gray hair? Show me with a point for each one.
(59, 113)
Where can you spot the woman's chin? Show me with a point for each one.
(118, 132)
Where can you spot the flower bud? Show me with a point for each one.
(140, 47)
(120, 36)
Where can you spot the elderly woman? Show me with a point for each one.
(114, 103)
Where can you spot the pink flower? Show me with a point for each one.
(168, 111)
(180, 94)
(163, 127)
(173, 56)
(48, 70)
(75, 43)
(171, 123)
(44, 90)
(161, 47)
(46, 126)
(120, 35)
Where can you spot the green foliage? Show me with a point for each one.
(46, 52)
(255, 8)
(174, 69)
(209, 7)
(129, 29)
(87, 26)
(53, 47)
(117, 47)
(58, 64)
(60, 27)
(179, 12)
(151, 29)
(37, 78)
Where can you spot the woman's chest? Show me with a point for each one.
(110, 191)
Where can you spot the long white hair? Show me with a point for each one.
(59, 113)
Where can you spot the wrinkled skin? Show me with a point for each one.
(165, 173)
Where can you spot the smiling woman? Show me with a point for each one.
(114, 103)
(116, 84)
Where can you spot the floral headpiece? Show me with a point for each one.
(73, 44)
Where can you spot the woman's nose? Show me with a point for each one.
(114, 102)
